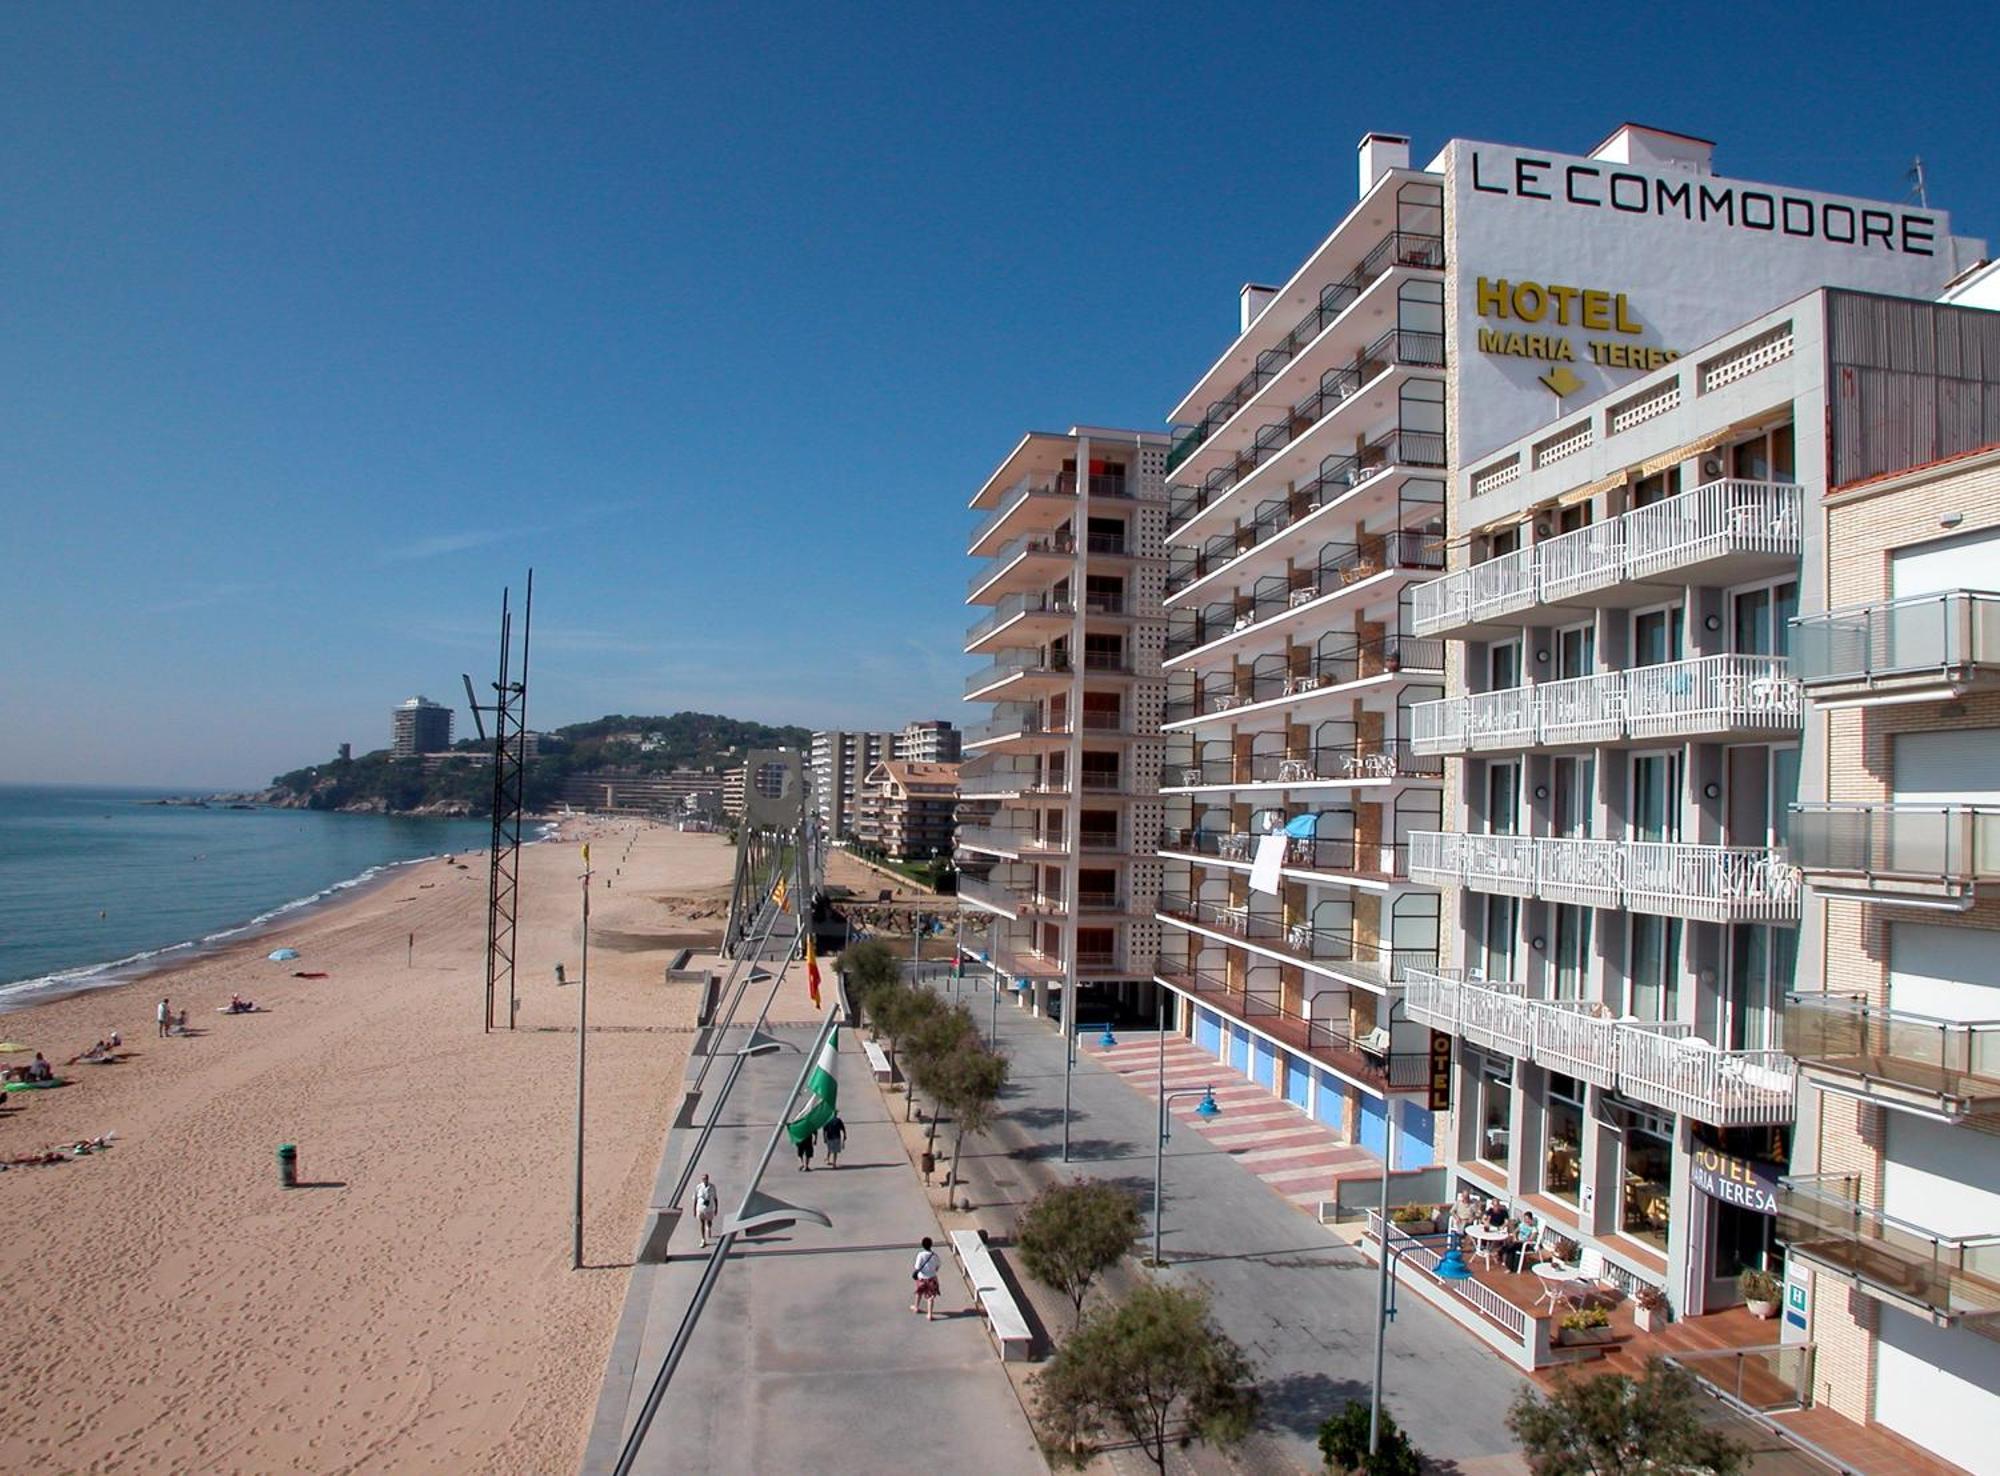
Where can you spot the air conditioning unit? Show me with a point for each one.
(1711, 467)
(1543, 528)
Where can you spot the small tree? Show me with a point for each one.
(865, 968)
(1343, 1441)
(969, 1088)
(1155, 1366)
(932, 1044)
(1614, 1425)
(1072, 1233)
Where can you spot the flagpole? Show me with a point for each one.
(582, 1037)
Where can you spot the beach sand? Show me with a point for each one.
(170, 1307)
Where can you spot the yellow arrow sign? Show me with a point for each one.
(1562, 379)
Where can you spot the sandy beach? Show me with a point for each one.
(172, 1308)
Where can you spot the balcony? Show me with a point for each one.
(1036, 614)
(1050, 553)
(1891, 851)
(1703, 883)
(1397, 249)
(1345, 857)
(1947, 1278)
(1657, 1062)
(1719, 533)
(1338, 475)
(1016, 668)
(1934, 645)
(1364, 761)
(1299, 674)
(1944, 1068)
(1333, 951)
(1328, 1041)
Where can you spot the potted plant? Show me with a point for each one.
(1650, 1310)
(1583, 1327)
(1760, 1291)
(1567, 1251)
(1414, 1219)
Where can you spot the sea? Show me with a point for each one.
(97, 885)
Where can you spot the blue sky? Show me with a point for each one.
(322, 322)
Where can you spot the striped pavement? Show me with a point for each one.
(1299, 1158)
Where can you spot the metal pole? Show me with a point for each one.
(1160, 1148)
(1382, 1284)
(582, 1039)
(1069, 1058)
(993, 1031)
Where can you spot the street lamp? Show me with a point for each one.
(1450, 1267)
(1206, 1110)
(1107, 1041)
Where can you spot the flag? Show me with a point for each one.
(778, 895)
(586, 855)
(825, 1094)
(812, 971)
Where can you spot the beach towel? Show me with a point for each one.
(1270, 860)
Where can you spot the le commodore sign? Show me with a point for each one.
(1747, 1183)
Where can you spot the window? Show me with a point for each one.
(1656, 488)
(1421, 407)
(1503, 926)
(1096, 947)
(1576, 651)
(1657, 635)
(1103, 652)
(1656, 796)
(1649, 1158)
(1096, 888)
(1100, 771)
(1573, 926)
(1573, 795)
(1104, 594)
(1496, 1110)
(1420, 309)
(1503, 666)
(1762, 961)
(1576, 515)
(1562, 1164)
(1760, 619)
(1503, 797)
(1107, 535)
(1504, 541)
(1654, 967)
(1763, 782)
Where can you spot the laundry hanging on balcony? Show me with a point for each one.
(1302, 827)
(1270, 859)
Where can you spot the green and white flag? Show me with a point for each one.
(824, 1093)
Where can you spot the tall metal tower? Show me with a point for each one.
(509, 709)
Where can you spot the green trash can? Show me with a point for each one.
(288, 1165)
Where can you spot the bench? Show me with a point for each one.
(878, 1062)
(1003, 1314)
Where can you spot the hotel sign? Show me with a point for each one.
(1747, 1183)
(1440, 1072)
(1524, 312)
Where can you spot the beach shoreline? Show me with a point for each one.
(413, 1306)
(150, 965)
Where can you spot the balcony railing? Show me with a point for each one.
(1950, 1067)
(1055, 545)
(1708, 883)
(1011, 500)
(1717, 520)
(1338, 474)
(1895, 846)
(1276, 675)
(1660, 1063)
(1383, 859)
(1951, 1277)
(1398, 248)
(1006, 668)
(1016, 605)
(1337, 950)
(1331, 1041)
(1951, 637)
(1339, 565)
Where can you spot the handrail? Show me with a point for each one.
(1517, 1322)
(1059, 543)
(1951, 1061)
(1391, 1068)
(1016, 605)
(1949, 632)
(1275, 674)
(1339, 565)
(1947, 844)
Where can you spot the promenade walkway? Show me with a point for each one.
(1301, 1302)
(808, 1357)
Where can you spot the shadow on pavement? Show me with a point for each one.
(1299, 1402)
(1091, 1148)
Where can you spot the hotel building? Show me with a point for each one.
(1061, 782)
(418, 725)
(906, 809)
(1418, 376)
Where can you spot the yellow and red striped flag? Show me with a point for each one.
(812, 971)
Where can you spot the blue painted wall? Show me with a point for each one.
(1208, 1032)
(1239, 1048)
(1297, 1083)
(1264, 1067)
(1416, 1138)
(1374, 1127)
(1331, 1108)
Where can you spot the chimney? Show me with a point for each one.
(1381, 152)
(1253, 300)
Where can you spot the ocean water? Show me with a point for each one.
(95, 884)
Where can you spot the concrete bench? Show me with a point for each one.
(878, 1062)
(1003, 1314)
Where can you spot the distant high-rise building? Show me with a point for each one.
(734, 782)
(838, 763)
(419, 725)
(933, 742)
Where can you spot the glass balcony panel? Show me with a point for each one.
(1949, 632)
(1952, 846)
(1822, 1219)
(1951, 1066)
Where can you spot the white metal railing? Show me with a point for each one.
(1580, 869)
(1723, 517)
(1502, 719)
(1576, 1038)
(1438, 727)
(1586, 709)
(1710, 693)
(1709, 521)
(1414, 1254)
(1430, 997)
(1494, 1016)
(1687, 1075)
(1755, 883)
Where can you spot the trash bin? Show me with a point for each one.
(288, 1166)
(929, 1163)
(559, 975)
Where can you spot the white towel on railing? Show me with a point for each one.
(1270, 860)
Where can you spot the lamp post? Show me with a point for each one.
(1451, 1267)
(1206, 1110)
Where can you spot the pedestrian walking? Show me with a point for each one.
(806, 1153)
(836, 1139)
(925, 1275)
(166, 1016)
(704, 1207)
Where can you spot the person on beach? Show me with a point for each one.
(704, 1207)
(925, 1274)
(836, 1139)
(166, 1016)
(806, 1153)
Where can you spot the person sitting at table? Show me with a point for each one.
(1496, 1214)
(1527, 1237)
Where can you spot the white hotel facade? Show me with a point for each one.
(1502, 307)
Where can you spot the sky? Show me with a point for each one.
(322, 324)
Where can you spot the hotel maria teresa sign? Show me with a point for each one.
(1747, 1183)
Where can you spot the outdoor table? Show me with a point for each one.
(1489, 1239)
(1554, 1277)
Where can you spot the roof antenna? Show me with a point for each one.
(1920, 189)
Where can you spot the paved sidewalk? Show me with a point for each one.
(808, 1357)
(1301, 1302)
(1296, 1156)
